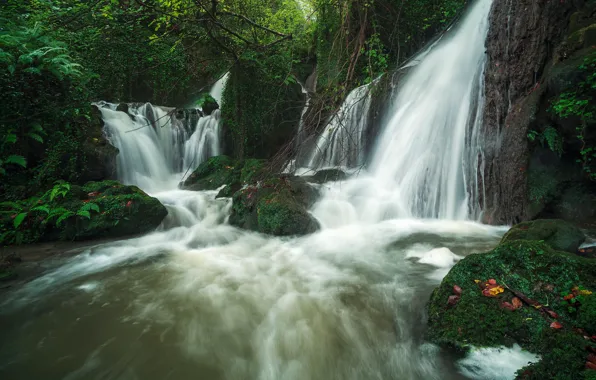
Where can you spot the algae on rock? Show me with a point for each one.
(558, 234)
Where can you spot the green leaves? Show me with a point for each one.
(14, 159)
(19, 219)
(59, 190)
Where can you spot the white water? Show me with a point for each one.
(342, 141)
(426, 158)
(218, 88)
(202, 299)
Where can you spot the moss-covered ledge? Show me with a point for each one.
(542, 301)
(105, 209)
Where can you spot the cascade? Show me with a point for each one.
(342, 141)
(429, 150)
(156, 147)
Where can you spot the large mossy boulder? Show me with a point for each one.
(105, 209)
(558, 234)
(262, 202)
(124, 210)
(542, 300)
(277, 206)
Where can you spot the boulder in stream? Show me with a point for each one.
(276, 206)
(523, 292)
(105, 209)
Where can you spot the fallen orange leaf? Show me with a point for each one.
(517, 303)
(556, 325)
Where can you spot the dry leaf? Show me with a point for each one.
(556, 325)
(516, 302)
(456, 290)
(452, 300)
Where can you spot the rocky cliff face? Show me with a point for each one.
(527, 45)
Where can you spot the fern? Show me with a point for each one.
(63, 217)
(15, 160)
(553, 140)
(85, 214)
(43, 208)
(89, 207)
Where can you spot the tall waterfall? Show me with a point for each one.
(428, 152)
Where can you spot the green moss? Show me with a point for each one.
(558, 234)
(123, 210)
(540, 273)
(281, 215)
(215, 172)
(252, 170)
(277, 206)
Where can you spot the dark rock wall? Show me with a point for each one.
(520, 46)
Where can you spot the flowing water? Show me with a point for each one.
(200, 299)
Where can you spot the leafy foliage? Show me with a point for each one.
(43, 208)
(579, 103)
(550, 137)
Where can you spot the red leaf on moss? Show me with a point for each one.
(456, 290)
(590, 365)
(452, 300)
(568, 297)
(492, 281)
(517, 303)
(556, 325)
(507, 305)
(551, 313)
(129, 203)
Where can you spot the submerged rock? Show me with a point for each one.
(558, 234)
(522, 292)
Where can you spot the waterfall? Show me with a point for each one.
(425, 161)
(342, 141)
(156, 147)
(218, 88)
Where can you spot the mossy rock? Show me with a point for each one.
(277, 206)
(531, 268)
(209, 105)
(221, 171)
(328, 175)
(214, 173)
(558, 234)
(123, 210)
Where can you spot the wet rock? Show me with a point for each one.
(214, 173)
(209, 105)
(328, 175)
(517, 59)
(225, 171)
(558, 234)
(105, 209)
(277, 206)
(546, 281)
